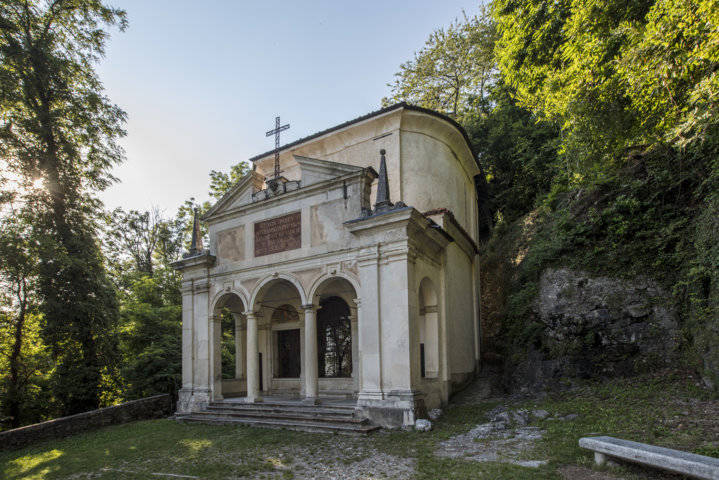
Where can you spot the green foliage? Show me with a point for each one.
(227, 347)
(518, 153)
(642, 220)
(57, 129)
(453, 71)
(616, 74)
(151, 335)
(221, 182)
(23, 356)
(134, 233)
(634, 87)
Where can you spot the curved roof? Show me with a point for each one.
(376, 113)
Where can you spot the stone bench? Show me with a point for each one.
(690, 464)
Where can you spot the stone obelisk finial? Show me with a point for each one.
(383, 202)
(196, 245)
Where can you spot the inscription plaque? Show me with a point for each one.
(278, 234)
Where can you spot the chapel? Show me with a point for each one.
(343, 270)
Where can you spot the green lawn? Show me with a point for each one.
(667, 410)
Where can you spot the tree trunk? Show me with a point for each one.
(13, 393)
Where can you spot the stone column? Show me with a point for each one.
(216, 357)
(355, 344)
(239, 347)
(253, 369)
(310, 353)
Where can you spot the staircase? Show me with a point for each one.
(330, 418)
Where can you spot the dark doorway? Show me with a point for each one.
(334, 338)
(288, 349)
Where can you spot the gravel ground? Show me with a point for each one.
(488, 443)
(341, 460)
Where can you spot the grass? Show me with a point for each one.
(666, 409)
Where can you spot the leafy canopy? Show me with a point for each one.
(453, 70)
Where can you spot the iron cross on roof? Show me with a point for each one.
(276, 133)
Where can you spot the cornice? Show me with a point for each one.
(202, 260)
(303, 191)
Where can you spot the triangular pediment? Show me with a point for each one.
(239, 194)
(314, 170)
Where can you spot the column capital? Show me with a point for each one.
(309, 307)
(357, 302)
(252, 315)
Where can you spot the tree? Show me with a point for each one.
(518, 153)
(221, 182)
(18, 271)
(453, 70)
(57, 129)
(151, 335)
(136, 234)
(615, 74)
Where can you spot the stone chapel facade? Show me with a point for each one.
(355, 274)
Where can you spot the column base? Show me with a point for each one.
(395, 409)
(192, 400)
(257, 399)
(369, 397)
(310, 401)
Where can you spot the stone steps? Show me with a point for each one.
(283, 407)
(291, 416)
(319, 416)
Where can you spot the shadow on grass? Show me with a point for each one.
(150, 446)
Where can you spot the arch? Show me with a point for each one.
(267, 282)
(321, 280)
(427, 293)
(329, 292)
(223, 294)
(428, 329)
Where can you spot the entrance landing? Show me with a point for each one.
(290, 400)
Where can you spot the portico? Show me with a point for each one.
(352, 279)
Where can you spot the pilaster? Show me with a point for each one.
(369, 329)
(202, 331)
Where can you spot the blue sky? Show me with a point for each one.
(203, 81)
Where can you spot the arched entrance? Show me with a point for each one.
(337, 352)
(228, 340)
(277, 308)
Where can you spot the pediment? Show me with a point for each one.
(239, 194)
(314, 170)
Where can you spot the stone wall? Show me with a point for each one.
(158, 406)
(597, 327)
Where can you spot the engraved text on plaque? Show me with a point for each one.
(278, 234)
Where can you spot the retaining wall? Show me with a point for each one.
(158, 406)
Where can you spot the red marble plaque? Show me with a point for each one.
(278, 234)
